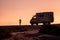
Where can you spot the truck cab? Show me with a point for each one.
(43, 17)
(34, 20)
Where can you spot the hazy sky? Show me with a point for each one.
(13, 10)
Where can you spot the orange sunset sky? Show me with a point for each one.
(13, 10)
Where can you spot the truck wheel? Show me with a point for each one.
(48, 23)
(36, 23)
(31, 23)
(44, 24)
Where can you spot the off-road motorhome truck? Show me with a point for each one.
(42, 17)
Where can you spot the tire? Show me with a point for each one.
(31, 23)
(36, 23)
(46, 23)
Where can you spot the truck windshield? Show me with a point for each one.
(34, 16)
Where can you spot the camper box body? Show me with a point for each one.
(43, 17)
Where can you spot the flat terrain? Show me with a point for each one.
(29, 32)
(17, 28)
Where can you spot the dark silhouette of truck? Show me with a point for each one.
(43, 17)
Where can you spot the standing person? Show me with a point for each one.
(19, 21)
